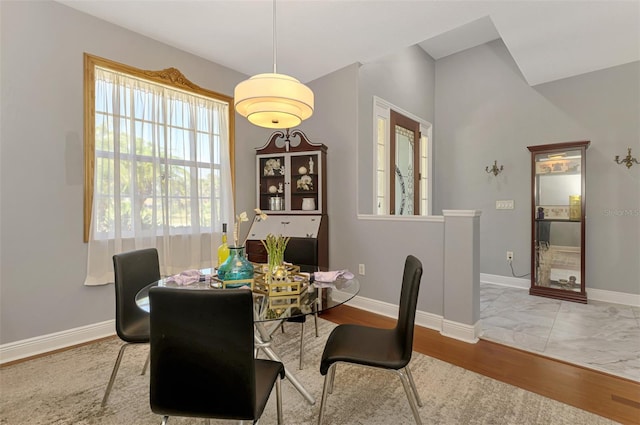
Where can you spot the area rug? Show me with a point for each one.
(67, 388)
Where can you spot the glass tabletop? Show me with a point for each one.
(314, 297)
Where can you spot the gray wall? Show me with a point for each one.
(405, 79)
(486, 111)
(483, 111)
(381, 245)
(43, 261)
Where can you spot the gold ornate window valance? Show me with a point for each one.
(170, 77)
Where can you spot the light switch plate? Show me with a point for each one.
(505, 205)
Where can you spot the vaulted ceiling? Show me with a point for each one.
(548, 40)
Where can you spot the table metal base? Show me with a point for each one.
(263, 342)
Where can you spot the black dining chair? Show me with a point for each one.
(133, 271)
(202, 356)
(302, 252)
(388, 349)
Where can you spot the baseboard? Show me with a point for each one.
(462, 332)
(374, 306)
(427, 320)
(46, 343)
(512, 282)
(42, 344)
(614, 297)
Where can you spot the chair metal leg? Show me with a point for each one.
(146, 363)
(114, 372)
(332, 372)
(325, 393)
(279, 400)
(413, 385)
(407, 383)
(165, 419)
(315, 320)
(408, 391)
(301, 344)
(261, 339)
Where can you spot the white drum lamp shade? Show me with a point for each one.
(273, 100)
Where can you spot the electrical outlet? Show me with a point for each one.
(509, 256)
(361, 269)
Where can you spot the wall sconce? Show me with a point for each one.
(628, 160)
(495, 170)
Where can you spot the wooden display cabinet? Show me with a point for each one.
(291, 175)
(309, 244)
(291, 187)
(558, 220)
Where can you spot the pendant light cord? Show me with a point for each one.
(275, 47)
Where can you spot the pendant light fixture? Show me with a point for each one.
(273, 100)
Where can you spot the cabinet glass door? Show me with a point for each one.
(271, 182)
(291, 175)
(290, 183)
(558, 223)
(305, 184)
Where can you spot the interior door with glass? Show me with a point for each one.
(404, 165)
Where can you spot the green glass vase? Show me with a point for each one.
(236, 271)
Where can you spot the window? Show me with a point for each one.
(381, 165)
(401, 145)
(158, 161)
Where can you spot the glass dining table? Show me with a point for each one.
(271, 311)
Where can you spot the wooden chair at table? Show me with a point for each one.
(133, 271)
(202, 356)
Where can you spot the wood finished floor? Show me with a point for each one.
(600, 393)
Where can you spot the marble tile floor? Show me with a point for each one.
(597, 335)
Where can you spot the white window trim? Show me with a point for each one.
(382, 109)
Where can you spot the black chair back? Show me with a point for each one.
(302, 252)
(202, 353)
(408, 304)
(378, 347)
(133, 271)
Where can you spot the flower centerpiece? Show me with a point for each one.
(275, 246)
(241, 218)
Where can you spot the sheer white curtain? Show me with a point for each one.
(162, 175)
